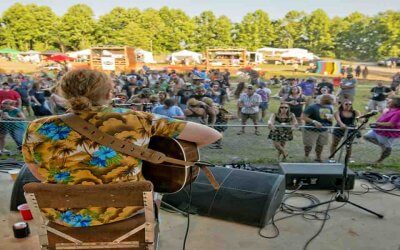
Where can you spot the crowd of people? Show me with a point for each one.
(201, 96)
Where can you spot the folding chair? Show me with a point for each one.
(137, 232)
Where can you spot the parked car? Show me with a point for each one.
(388, 62)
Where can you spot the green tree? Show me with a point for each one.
(290, 30)
(77, 28)
(178, 29)
(134, 35)
(387, 24)
(256, 31)
(211, 31)
(355, 39)
(110, 25)
(317, 37)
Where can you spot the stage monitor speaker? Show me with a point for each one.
(246, 197)
(316, 176)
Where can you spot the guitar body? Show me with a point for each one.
(167, 177)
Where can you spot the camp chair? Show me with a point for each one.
(137, 232)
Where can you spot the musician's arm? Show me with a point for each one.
(199, 134)
(35, 171)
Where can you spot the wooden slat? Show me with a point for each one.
(78, 196)
(98, 245)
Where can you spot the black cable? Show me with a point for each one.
(294, 191)
(275, 228)
(321, 227)
(188, 209)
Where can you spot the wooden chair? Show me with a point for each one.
(137, 232)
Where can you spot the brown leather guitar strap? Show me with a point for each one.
(91, 132)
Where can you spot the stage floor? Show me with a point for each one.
(348, 228)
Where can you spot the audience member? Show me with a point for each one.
(317, 117)
(265, 94)
(346, 121)
(378, 98)
(249, 103)
(280, 125)
(388, 120)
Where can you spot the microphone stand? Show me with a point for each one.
(340, 194)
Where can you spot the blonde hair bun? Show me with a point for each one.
(85, 88)
(80, 103)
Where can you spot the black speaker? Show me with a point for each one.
(244, 196)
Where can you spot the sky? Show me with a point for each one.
(234, 9)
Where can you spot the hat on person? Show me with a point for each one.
(188, 84)
(311, 79)
(349, 75)
(262, 84)
(8, 101)
(250, 87)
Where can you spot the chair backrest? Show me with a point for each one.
(79, 196)
(140, 194)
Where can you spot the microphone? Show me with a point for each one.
(368, 115)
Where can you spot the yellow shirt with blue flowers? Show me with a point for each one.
(63, 156)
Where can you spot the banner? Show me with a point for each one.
(108, 63)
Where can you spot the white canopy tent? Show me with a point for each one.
(30, 56)
(184, 55)
(282, 53)
(81, 53)
(144, 56)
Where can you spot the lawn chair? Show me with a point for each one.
(137, 232)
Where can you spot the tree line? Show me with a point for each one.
(356, 36)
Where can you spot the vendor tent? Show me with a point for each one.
(144, 56)
(31, 56)
(328, 67)
(185, 55)
(80, 53)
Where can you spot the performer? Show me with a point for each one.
(55, 153)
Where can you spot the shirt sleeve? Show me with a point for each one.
(309, 111)
(28, 143)
(178, 111)
(168, 127)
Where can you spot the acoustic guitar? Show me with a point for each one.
(167, 177)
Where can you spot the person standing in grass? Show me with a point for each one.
(280, 125)
(296, 102)
(317, 117)
(265, 93)
(388, 120)
(346, 119)
(249, 104)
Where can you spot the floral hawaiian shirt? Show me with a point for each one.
(65, 157)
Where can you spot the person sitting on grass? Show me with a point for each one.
(169, 109)
(280, 125)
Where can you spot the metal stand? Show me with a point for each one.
(340, 195)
